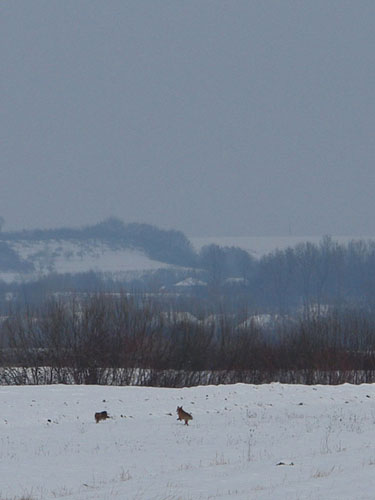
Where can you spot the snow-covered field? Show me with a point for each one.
(245, 442)
(79, 257)
(74, 257)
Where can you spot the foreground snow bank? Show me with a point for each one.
(244, 442)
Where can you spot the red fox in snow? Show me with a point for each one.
(102, 415)
(183, 415)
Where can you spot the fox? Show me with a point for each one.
(183, 415)
(102, 415)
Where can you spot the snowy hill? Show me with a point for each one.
(245, 442)
(69, 256)
(109, 247)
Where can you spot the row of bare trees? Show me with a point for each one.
(122, 340)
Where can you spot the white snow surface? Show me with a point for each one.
(248, 442)
(190, 282)
(64, 256)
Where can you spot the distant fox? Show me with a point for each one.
(183, 415)
(102, 415)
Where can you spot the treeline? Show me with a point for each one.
(230, 279)
(108, 340)
(327, 273)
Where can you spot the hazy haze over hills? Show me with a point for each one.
(266, 272)
(217, 118)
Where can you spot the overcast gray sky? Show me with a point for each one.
(212, 117)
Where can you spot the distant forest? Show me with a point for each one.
(224, 279)
(305, 314)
